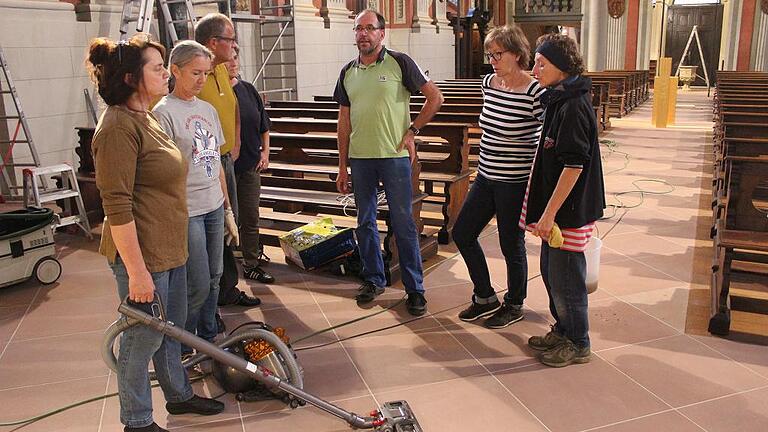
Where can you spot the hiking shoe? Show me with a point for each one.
(546, 342)
(504, 316)
(564, 354)
(151, 428)
(416, 304)
(256, 273)
(368, 292)
(196, 405)
(476, 311)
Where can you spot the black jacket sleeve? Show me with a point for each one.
(573, 143)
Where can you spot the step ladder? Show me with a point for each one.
(18, 134)
(178, 16)
(35, 193)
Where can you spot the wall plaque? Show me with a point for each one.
(616, 8)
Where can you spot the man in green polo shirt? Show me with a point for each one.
(376, 140)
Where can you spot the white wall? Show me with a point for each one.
(322, 52)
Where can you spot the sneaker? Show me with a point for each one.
(504, 316)
(256, 273)
(564, 354)
(151, 428)
(196, 405)
(546, 342)
(368, 292)
(416, 304)
(476, 311)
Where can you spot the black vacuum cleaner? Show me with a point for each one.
(276, 368)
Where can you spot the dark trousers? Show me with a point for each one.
(486, 199)
(248, 195)
(228, 291)
(564, 274)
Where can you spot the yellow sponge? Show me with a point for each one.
(555, 237)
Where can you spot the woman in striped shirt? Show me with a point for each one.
(511, 122)
(566, 191)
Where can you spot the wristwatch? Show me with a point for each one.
(414, 129)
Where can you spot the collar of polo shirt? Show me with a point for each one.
(379, 59)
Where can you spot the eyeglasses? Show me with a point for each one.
(495, 55)
(228, 39)
(368, 29)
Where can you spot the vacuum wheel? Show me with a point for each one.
(47, 270)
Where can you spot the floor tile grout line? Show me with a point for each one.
(240, 414)
(641, 311)
(492, 375)
(104, 402)
(597, 428)
(21, 321)
(42, 338)
(738, 393)
(637, 343)
(648, 390)
(51, 383)
(729, 358)
(341, 344)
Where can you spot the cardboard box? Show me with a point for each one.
(317, 243)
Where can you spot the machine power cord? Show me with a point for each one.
(611, 145)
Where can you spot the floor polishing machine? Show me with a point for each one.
(255, 362)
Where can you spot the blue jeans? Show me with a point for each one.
(504, 200)
(564, 274)
(204, 268)
(139, 344)
(395, 175)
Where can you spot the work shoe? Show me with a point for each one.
(258, 274)
(507, 314)
(564, 354)
(368, 292)
(416, 304)
(151, 428)
(196, 405)
(546, 342)
(476, 311)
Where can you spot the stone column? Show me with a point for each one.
(760, 42)
(616, 43)
(729, 37)
(421, 19)
(597, 35)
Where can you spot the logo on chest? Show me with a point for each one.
(382, 78)
(549, 143)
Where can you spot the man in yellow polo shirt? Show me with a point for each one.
(216, 32)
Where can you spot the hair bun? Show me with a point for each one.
(100, 50)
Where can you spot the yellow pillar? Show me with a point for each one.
(664, 95)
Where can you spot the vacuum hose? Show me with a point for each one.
(123, 323)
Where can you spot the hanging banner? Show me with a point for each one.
(616, 8)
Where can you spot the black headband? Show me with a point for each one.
(555, 55)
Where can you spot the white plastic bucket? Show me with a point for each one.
(592, 255)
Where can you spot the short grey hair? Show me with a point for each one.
(186, 51)
(210, 26)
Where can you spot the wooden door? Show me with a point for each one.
(680, 22)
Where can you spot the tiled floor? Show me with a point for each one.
(654, 368)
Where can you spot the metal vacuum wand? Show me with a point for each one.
(392, 417)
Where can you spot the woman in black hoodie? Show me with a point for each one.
(565, 193)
